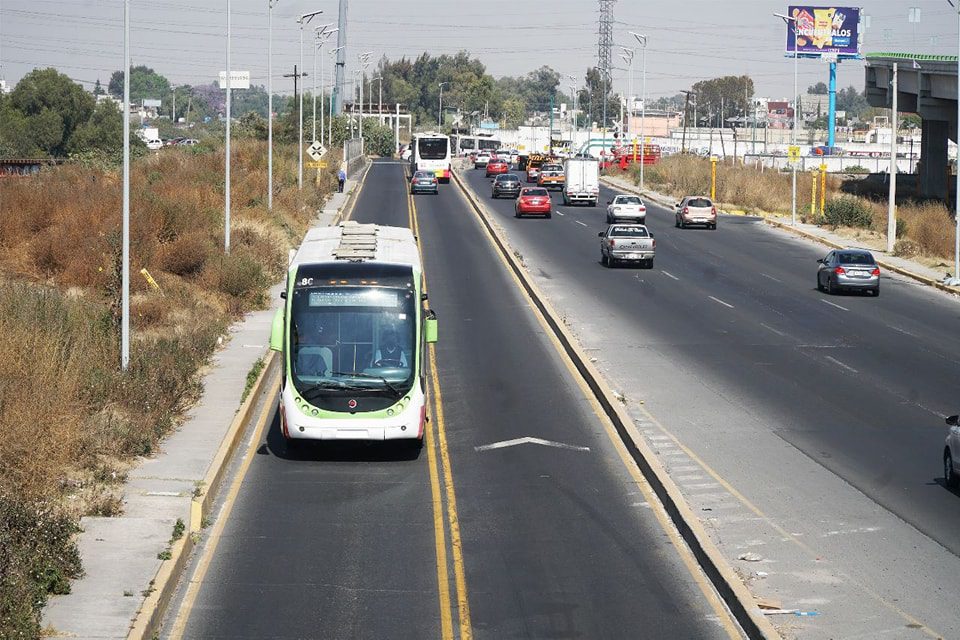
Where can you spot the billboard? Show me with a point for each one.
(824, 31)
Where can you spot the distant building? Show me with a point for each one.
(656, 124)
(5, 87)
(779, 115)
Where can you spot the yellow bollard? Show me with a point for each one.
(813, 195)
(823, 187)
(149, 279)
(713, 177)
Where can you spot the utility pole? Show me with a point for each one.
(686, 110)
(790, 20)
(270, 104)
(642, 41)
(604, 64)
(125, 232)
(320, 35)
(341, 56)
(226, 189)
(302, 20)
(892, 197)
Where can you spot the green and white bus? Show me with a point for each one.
(353, 335)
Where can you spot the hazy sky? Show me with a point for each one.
(689, 40)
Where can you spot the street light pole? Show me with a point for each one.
(333, 52)
(364, 59)
(440, 111)
(125, 241)
(793, 207)
(271, 3)
(304, 19)
(319, 31)
(642, 41)
(226, 189)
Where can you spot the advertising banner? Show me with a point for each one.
(832, 31)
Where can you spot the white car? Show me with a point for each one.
(154, 144)
(626, 208)
(406, 153)
(482, 160)
(514, 156)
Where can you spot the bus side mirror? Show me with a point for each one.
(430, 327)
(953, 420)
(276, 331)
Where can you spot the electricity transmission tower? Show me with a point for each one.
(604, 52)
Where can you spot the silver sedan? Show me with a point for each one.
(848, 270)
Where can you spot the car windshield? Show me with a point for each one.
(856, 258)
(507, 177)
(627, 200)
(699, 202)
(432, 148)
(634, 231)
(552, 167)
(535, 192)
(422, 174)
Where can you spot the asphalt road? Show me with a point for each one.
(338, 542)
(858, 384)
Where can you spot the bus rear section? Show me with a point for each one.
(431, 152)
(353, 337)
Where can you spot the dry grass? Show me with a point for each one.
(70, 422)
(924, 229)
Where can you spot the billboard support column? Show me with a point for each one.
(832, 111)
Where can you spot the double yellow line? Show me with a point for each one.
(435, 449)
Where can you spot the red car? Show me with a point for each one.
(534, 200)
(496, 167)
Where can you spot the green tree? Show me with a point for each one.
(514, 112)
(48, 108)
(252, 125)
(145, 83)
(98, 89)
(378, 138)
(819, 89)
(730, 93)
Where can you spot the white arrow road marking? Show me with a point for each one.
(529, 440)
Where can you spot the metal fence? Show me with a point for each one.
(835, 164)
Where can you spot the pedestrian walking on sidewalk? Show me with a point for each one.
(341, 178)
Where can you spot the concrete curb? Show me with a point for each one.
(806, 234)
(146, 625)
(731, 589)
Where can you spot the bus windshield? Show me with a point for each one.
(488, 144)
(432, 148)
(350, 341)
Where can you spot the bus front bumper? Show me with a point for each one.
(406, 425)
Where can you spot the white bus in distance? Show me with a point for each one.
(431, 152)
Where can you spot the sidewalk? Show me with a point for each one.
(120, 554)
(823, 235)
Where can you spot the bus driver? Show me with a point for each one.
(390, 354)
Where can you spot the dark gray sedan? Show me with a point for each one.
(848, 270)
(506, 184)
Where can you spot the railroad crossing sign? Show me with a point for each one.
(793, 153)
(316, 150)
(320, 164)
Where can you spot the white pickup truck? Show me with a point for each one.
(627, 243)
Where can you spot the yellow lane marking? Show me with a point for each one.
(446, 615)
(730, 626)
(193, 587)
(456, 544)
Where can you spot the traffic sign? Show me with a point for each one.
(316, 165)
(793, 153)
(316, 150)
(238, 79)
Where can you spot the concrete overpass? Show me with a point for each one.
(927, 86)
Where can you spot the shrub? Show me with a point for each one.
(37, 558)
(848, 211)
(857, 169)
(185, 256)
(241, 275)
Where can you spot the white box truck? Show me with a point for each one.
(582, 181)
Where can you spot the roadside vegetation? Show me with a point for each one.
(71, 423)
(924, 229)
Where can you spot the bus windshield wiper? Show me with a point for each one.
(357, 374)
(324, 385)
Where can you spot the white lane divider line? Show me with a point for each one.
(840, 364)
(669, 275)
(772, 278)
(769, 328)
(580, 223)
(529, 440)
(726, 304)
(833, 304)
(560, 213)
